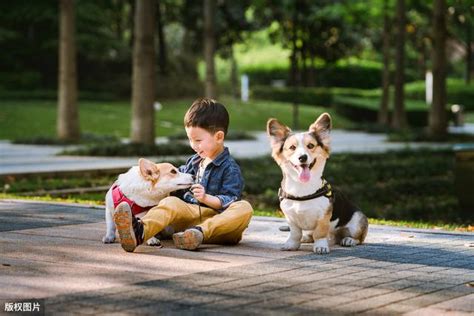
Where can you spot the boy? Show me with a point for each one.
(211, 212)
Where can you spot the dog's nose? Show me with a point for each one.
(303, 158)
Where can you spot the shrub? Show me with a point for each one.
(458, 92)
(366, 110)
(352, 76)
(309, 96)
(118, 149)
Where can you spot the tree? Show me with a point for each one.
(144, 77)
(210, 47)
(437, 118)
(383, 111)
(68, 114)
(399, 115)
(462, 14)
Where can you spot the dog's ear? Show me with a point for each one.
(321, 128)
(277, 131)
(149, 170)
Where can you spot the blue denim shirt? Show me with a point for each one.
(222, 178)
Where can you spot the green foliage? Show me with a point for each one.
(86, 138)
(366, 109)
(126, 150)
(353, 76)
(312, 96)
(458, 92)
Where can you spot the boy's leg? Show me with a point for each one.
(227, 227)
(171, 211)
(133, 231)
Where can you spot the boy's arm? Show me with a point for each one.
(231, 190)
(232, 186)
(210, 200)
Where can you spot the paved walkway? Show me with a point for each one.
(52, 254)
(31, 158)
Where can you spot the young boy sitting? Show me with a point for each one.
(211, 212)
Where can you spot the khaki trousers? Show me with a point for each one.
(218, 228)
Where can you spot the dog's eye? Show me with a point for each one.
(174, 171)
(310, 146)
(292, 147)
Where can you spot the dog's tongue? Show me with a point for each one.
(305, 175)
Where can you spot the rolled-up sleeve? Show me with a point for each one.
(232, 185)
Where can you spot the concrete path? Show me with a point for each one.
(32, 158)
(51, 255)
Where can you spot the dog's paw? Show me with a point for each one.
(290, 246)
(321, 246)
(349, 242)
(155, 242)
(108, 239)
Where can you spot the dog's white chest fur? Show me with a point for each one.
(305, 214)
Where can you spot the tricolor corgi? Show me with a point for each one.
(143, 187)
(307, 200)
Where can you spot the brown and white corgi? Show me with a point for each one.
(143, 187)
(307, 200)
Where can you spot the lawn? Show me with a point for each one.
(32, 118)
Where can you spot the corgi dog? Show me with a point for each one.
(307, 200)
(143, 187)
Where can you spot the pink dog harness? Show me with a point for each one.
(118, 197)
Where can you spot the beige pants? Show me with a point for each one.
(218, 228)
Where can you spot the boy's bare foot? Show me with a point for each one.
(190, 239)
(129, 228)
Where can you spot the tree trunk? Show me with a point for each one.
(468, 51)
(144, 77)
(131, 23)
(312, 69)
(210, 47)
(234, 79)
(304, 67)
(162, 56)
(383, 111)
(399, 115)
(437, 119)
(68, 114)
(295, 71)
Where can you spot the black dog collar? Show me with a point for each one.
(325, 190)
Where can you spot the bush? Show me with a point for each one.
(458, 92)
(351, 76)
(366, 110)
(309, 96)
(131, 150)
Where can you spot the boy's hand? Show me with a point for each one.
(199, 192)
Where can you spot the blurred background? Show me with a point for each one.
(117, 74)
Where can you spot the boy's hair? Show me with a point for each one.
(207, 114)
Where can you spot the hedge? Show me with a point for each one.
(458, 92)
(309, 96)
(351, 76)
(366, 110)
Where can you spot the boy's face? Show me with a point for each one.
(205, 144)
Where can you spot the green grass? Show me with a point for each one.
(32, 118)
